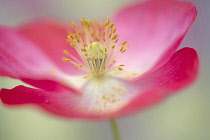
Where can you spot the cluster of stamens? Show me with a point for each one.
(96, 43)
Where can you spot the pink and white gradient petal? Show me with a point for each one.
(180, 71)
(51, 37)
(154, 29)
(22, 59)
(60, 104)
(57, 103)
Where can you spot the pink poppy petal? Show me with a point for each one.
(22, 95)
(180, 71)
(51, 37)
(61, 104)
(57, 103)
(154, 29)
(21, 59)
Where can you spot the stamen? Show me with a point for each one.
(66, 52)
(94, 43)
(124, 42)
(73, 25)
(66, 59)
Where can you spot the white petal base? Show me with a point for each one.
(103, 94)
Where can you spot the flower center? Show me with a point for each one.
(96, 44)
(105, 95)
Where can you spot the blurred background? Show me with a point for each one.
(185, 116)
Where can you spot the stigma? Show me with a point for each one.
(97, 45)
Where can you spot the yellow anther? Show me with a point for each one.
(78, 41)
(107, 22)
(86, 76)
(124, 42)
(66, 52)
(83, 49)
(122, 49)
(126, 47)
(97, 39)
(119, 68)
(134, 74)
(118, 89)
(108, 99)
(73, 25)
(92, 33)
(71, 36)
(72, 44)
(79, 32)
(115, 37)
(66, 59)
(111, 25)
(103, 39)
(76, 66)
(84, 44)
(113, 101)
(116, 41)
(76, 36)
(80, 65)
(82, 21)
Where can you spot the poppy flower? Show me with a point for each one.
(100, 70)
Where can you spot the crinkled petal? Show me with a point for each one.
(51, 37)
(56, 103)
(61, 104)
(154, 30)
(180, 71)
(21, 59)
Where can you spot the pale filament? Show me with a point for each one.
(95, 42)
